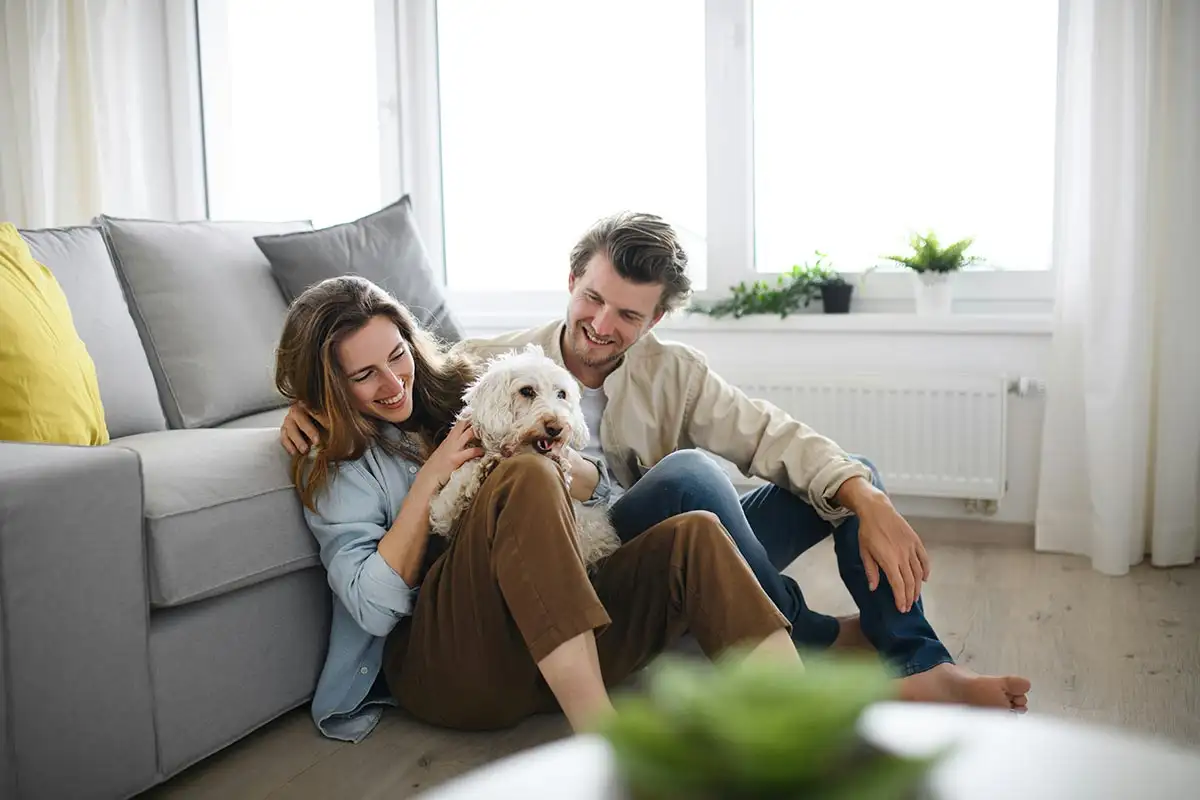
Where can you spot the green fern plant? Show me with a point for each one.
(929, 256)
(791, 292)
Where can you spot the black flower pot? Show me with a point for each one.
(836, 297)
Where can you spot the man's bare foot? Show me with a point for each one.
(950, 683)
(850, 635)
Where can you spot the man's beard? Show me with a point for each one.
(579, 343)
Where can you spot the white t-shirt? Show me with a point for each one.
(593, 402)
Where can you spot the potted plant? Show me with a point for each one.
(791, 292)
(934, 265)
(836, 291)
(747, 728)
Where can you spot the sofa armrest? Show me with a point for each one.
(76, 715)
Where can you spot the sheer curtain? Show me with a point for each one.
(1121, 446)
(88, 114)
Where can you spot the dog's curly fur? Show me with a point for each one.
(523, 403)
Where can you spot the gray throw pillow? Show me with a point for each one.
(208, 311)
(384, 247)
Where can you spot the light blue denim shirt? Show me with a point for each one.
(354, 511)
(357, 507)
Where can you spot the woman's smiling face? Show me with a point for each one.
(378, 366)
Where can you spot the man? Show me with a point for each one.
(653, 406)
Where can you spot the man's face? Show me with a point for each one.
(608, 314)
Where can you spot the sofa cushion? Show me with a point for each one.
(384, 247)
(263, 419)
(48, 387)
(208, 311)
(221, 512)
(79, 260)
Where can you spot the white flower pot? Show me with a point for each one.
(934, 293)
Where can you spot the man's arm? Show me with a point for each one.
(585, 476)
(766, 442)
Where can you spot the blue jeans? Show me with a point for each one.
(772, 527)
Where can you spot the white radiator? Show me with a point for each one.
(929, 436)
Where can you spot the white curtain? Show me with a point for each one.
(1120, 472)
(88, 121)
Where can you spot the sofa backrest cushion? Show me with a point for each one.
(208, 311)
(384, 247)
(79, 260)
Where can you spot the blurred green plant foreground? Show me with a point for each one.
(753, 729)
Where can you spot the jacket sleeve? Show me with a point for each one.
(602, 494)
(764, 441)
(352, 519)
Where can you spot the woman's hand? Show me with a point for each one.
(454, 451)
(403, 547)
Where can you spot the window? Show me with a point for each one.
(291, 109)
(875, 118)
(763, 130)
(554, 114)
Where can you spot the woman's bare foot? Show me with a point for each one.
(851, 637)
(950, 683)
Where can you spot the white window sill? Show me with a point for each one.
(1036, 324)
(867, 323)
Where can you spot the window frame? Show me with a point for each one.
(407, 41)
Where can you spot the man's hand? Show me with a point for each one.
(299, 430)
(584, 475)
(886, 542)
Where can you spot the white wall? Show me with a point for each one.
(1011, 345)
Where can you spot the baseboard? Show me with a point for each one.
(950, 530)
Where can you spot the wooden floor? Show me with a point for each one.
(1114, 651)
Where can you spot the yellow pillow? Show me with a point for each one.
(48, 389)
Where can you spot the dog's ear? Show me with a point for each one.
(474, 388)
(490, 409)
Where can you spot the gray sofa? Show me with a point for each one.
(160, 596)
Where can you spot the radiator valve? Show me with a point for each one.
(1025, 386)
(985, 507)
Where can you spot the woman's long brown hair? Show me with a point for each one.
(307, 372)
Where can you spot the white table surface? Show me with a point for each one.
(998, 755)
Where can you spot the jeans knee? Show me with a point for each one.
(689, 461)
(692, 472)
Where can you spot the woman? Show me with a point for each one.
(504, 621)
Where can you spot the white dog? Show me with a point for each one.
(524, 402)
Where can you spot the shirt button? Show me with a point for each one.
(364, 670)
(412, 470)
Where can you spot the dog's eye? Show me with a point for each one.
(562, 394)
(527, 391)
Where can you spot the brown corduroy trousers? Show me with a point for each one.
(510, 588)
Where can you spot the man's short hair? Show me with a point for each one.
(643, 248)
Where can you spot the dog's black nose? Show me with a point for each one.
(553, 431)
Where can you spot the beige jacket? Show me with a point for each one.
(663, 397)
